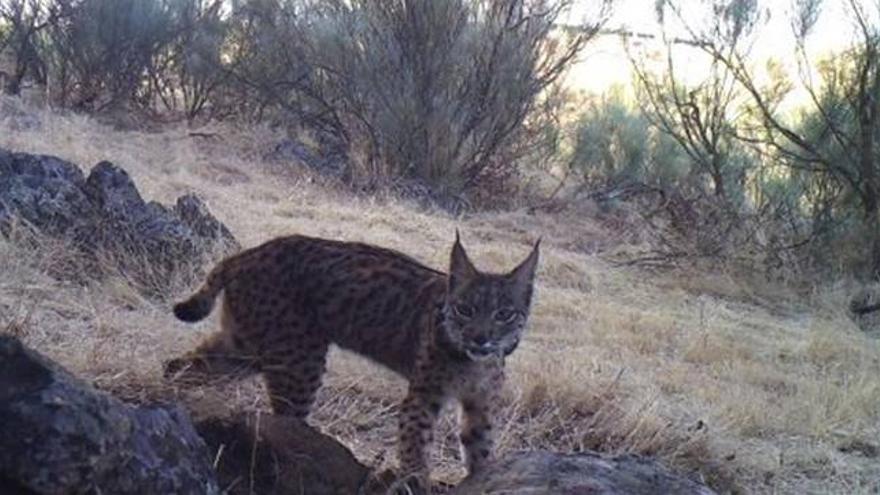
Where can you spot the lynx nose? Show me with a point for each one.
(480, 340)
(482, 344)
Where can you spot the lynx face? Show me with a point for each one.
(485, 314)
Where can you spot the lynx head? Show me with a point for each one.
(486, 313)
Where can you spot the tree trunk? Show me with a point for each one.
(718, 181)
(869, 112)
(870, 202)
(873, 225)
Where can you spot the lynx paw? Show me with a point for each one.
(412, 484)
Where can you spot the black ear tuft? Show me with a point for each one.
(460, 266)
(523, 276)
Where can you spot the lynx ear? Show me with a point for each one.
(460, 267)
(523, 276)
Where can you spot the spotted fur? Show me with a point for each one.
(287, 300)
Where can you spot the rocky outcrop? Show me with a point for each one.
(45, 191)
(541, 472)
(59, 435)
(107, 221)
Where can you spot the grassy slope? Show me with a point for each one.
(756, 398)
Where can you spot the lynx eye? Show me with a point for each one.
(464, 310)
(504, 315)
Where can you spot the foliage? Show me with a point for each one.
(440, 91)
(190, 71)
(702, 116)
(101, 51)
(615, 145)
(21, 21)
(809, 185)
(446, 92)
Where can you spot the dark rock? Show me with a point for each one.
(59, 435)
(113, 192)
(106, 219)
(195, 215)
(42, 190)
(270, 454)
(865, 311)
(541, 472)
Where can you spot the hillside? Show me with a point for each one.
(745, 385)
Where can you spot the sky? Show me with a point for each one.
(604, 61)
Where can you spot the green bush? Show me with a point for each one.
(615, 145)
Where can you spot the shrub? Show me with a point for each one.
(616, 146)
(424, 89)
(102, 51)
(190, 72)
(21, 22)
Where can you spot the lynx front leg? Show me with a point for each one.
(418, 413)
(477, 437)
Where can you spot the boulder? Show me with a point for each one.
(44, 191)
(587, 473)
(269, 454)
(59, 435)
(106, 219)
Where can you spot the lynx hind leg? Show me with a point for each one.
(293, 376)
(218, 356)
(411, 484)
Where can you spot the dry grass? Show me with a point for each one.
(753, 395)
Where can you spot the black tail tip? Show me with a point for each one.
(190, 311)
